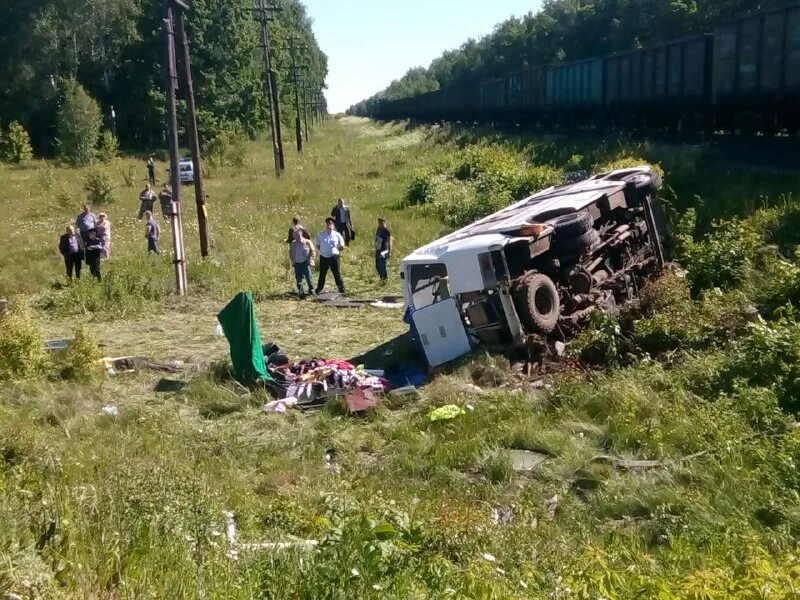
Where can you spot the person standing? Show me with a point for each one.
(330, 244)
(383, 248)
(151, 232)
(104, 233)
(297, 225)
(71, 247)
(344, 224)
(85, 222)
(165, 199)
(94, 249)
(301, 255)
(151, 171)
(147, 200)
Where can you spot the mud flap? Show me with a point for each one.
(441, 332)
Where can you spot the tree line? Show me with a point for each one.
(113, 48)
(566, 30)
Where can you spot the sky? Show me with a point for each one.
(369, 43)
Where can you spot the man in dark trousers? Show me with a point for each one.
(147, 200)
(94, 251)
(165, 199)
(152, 231)
(383, 248)
(151, 171)
(85, 222)
(330, 244)
(71, 247)
(344, 225)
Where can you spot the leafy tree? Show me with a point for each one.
(15, 145)
(79, 123)
(565, 30)
(108, 147)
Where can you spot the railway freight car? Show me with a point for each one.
(668, 86)
(745, 77)
(757, 72)
(574, 91)
(526, 89)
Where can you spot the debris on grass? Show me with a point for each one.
(525, 460)
(447, 413)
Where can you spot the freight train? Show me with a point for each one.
(744, 77)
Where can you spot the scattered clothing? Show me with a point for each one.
(238, 320)
(447, 412)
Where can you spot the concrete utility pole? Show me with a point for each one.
(194, 138)
(295, 69)
(262, 12)
(171, 84)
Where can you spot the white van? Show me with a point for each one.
(537, 268)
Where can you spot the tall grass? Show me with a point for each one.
(129, 502)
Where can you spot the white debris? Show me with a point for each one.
(111, 410)
(488, 557)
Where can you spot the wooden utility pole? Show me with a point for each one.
(262, 14)
(297, 128)
(171, 84)
(305, 104)
(194, 138)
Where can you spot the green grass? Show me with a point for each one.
(94, 505)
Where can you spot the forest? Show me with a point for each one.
(112, 48)
(566, 30)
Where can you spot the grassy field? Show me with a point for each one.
(702, 379)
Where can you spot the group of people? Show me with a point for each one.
(330, 243)
(89, 240)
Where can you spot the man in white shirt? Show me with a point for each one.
(330, 244)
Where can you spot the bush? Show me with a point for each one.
(15, 145)
(108, 147)
(721, 258)
(46, 177)
(82, 355)
(78, 125)
(22, 353)
(100, 189)
(129, 177)
(226, 149)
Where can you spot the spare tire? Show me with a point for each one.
(575, 245)
(571, 225)
(538, 303)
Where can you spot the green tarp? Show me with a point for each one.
(238, 320)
